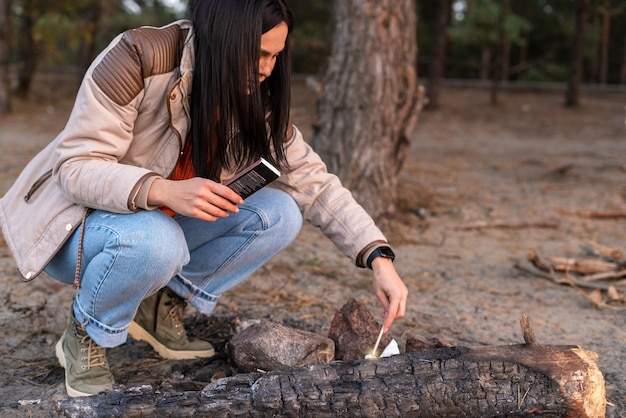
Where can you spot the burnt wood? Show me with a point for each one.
(515, 380)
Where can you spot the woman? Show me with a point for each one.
(128, 202)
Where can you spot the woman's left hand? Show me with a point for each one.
(390, 290)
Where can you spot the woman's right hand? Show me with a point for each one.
(196, 197)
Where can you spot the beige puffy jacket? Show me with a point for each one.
(127, 128)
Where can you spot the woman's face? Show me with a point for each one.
(272, 43)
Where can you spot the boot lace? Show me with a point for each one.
(95, 354)
(176, 314)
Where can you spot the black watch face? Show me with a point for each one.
(386, 252)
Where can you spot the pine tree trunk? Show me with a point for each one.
(576, 65)
(368, 108)
(5, 48)
(439, 59)
(28, 51)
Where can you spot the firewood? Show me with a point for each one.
(512, 380)
(581, 265)
(576, 285)
(610, 254)
(567, 281)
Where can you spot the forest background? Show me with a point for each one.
(499, 40)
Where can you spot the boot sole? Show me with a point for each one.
(138, 333)
(58, 350)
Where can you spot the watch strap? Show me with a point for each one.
(383, 251)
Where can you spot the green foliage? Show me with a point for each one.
(61, 30)
(480, 27)
(546, 72)
(58, 36)
(311, 35)
(150, 13)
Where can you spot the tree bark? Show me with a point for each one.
(369, 103)
(5, 49)
(516, 380)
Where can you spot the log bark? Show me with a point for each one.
(516, 380)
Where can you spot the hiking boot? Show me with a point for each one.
(87, 371)
(159, 322)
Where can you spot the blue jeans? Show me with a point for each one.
(128, 257)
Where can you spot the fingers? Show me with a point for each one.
(195, 197)
(390, 291)
(394, 307)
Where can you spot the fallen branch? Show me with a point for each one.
(609, 275)
(508, 225)
(582, 265)
(567, 281)
(577, 285)
(610, 254)
(607, 214)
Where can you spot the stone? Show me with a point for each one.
(268, 346)
(354, 331)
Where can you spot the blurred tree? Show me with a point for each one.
(438, 67)
(370, 100)
(88, 28)
(572, 92)
(5, 51)
(502, 50)
(70, 33)
(28, 50)
(491, 25)
(606, 10)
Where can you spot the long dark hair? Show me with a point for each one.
(230, 126)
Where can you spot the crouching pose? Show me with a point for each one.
(127, 202)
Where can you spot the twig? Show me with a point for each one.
(582, 265)
(576, 285)
(508, 225)
(607, 214)
(527, 331)
(608, 275)
(557, 280)
(596, 249)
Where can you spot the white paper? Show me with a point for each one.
(391, 350)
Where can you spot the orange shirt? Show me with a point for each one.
(182, 171)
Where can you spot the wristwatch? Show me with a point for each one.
(384, 252)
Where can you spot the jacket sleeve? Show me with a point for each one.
(327, 204)
(99, 133)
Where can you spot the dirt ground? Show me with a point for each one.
(481, 186)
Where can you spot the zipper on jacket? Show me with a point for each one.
(37, 184)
